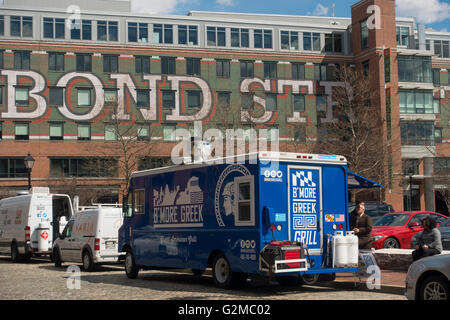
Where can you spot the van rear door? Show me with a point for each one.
(110, 220)
(305, 206)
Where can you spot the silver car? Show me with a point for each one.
(429, 279)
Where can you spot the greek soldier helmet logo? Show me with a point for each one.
(224, 197)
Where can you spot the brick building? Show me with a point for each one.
(63, 71)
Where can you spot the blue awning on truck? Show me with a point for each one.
(356, 181)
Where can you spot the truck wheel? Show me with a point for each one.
(223, 276)
(57, 258)
(131, 268)
(310, 279)
(88, 262)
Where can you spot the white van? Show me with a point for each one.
(90, 238)
(29, 223)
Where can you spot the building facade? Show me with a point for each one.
(69, 75)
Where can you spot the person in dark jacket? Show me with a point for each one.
(429, 241)
(361, 224)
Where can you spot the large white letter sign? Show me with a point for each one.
(207, 99)
(296, 85)
(99, 96)
(35, 92)
(245, 88)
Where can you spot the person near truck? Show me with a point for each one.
(429, 241)
(361, 224)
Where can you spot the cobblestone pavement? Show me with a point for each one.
(39, 279)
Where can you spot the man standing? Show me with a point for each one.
(361, 224)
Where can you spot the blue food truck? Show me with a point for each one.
(269, 213)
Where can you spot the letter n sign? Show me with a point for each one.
(387, 65)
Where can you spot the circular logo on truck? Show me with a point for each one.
(224, 197)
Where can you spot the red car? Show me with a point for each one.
(395, 230)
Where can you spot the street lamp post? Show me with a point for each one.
(29, 162)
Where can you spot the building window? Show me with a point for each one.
(240, 38)
(13, 168)
(56, 130)
(246, 101)
(410, 166)
(152, 163)
(169, 132)
(110, 133)
(270, 70)
(193, 66)
(244, 207)
(188, 35)
(311, 41)
(110, 63)
(21, 26)
(143, 98)
(194, 99)
(320, 72)
(414, 69)
(163, 33)
(83, 167)
(143, 133)
(1, 59)
(22, 60)
(223, 68)
(22, 131)
(110, 95)
(364, 35)
(84, 62)
(216, 36)
(289, 40)
(54, 28)
(22, 96)
(168, 65)
(1, 131)
(81, 29)
(137, 32)
(84, 97)
(441, 165)
(271, 102)
(55, 61)
(168, 99)
(298, 71)
(418, 133)
(437, 76)
(321, 103)
(246, 69)
(441, 48)
(84, 131)
(2, 25)
(416, 101)
(262, 39)
(107, 31)
(333, 42)
(142, 64)
(56, 96)
(402, 36)
(224, 99)
(298, 102)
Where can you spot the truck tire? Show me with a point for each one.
(131, 269)
(57, 258)
(88, 262)
(289, 281)
(223, 276)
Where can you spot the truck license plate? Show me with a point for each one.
(110, 245)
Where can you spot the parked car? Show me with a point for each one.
(90, 238)
(445, 236)
(429, 279)
(374, 209)
(395, 230)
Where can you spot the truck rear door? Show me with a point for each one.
(305, 206)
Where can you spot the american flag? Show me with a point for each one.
(340, 218)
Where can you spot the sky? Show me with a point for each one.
(434, 13)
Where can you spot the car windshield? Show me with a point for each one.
(392, 220)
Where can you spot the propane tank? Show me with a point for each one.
(340, 249)
(353, 250)
(43, 233)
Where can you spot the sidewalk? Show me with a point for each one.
(388, 278)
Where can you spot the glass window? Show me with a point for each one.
(137, 32)
(271, 102)
(244, 201)
(75, 29)
(21, 131)
(143, 133)
(223, 68)
(270, 70)
(2, 25)
(84, 131)
(110, 133)
(142, 64)
(143, 98)
(240, 37)
(246, 69)
(441, 48)
(86, 29)
(21, 96)
(169, 133)
(168, 65)
(15, 26)
(102, 31)
(298, 101)
(298, 71)
(107, 31)
(55, 61)
(27, 24)
(402, 36)
(415, 69)
(110, 95)
(84, 62)
(364, 35)
(223, 99)
(113, 31)
(110, 63)
(416, 101)
(194, 99)
(307, 43)
(56, 96)
(419, 133)
(320, 72)
(84, 97)
(193, 66)
(246, 101)
(321, 103)
(333, 42)
(215, 36)
(163, 33)
(56, 131)
(22, 60)
(168, 99)
(48, 27)
(132, 32)
(410, 166)
(289, 40)
(139, 202)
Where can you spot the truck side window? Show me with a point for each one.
(68, 229)
(139, 201)
(245, 211)
(128, 209)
